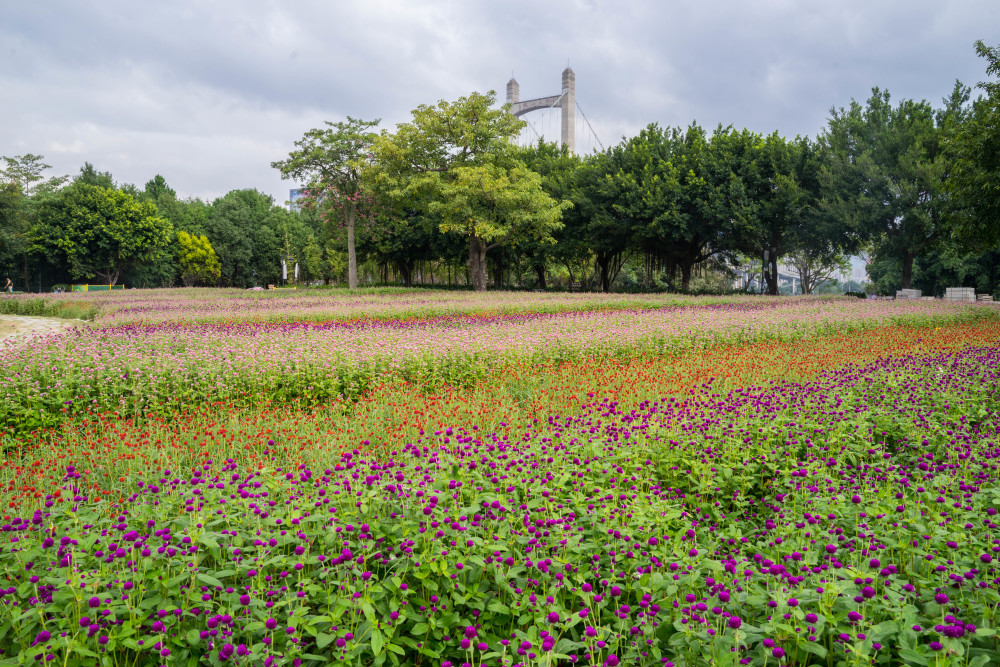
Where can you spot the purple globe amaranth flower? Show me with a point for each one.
(941, 598)
(734, 622)
(611, 660)
(553, 617)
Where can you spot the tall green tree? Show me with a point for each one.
(156, 188)
(25, 190)
(457, 160)
(231, 227)
(198, 261)
(104, 232)
(681, 193)
(559, 171)
(90, 176)
(883, 176)
(975, 150)
(329, 160)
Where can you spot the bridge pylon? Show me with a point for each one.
(566, 101)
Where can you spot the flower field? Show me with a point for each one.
(552, 482)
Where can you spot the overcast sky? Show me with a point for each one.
(209, 93)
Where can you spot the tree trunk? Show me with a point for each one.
(685, 276)
(603, 265)
(352, 258)
(772, 283)
(26, 274)
(907, 269)
(406, 272)
(477, 263)
(497, 271)
(540, 272)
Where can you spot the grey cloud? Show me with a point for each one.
(209, 93)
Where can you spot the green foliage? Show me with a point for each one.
(198, 261)
(156, 189)
(231, 226)
(975, 148)
(680, 192)
(330, 161)
(456, 160)
(883, 175)
(90, 176)
(49, 307)
(103, 232)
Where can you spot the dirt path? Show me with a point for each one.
(19, 328)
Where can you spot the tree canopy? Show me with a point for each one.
(103, 232)
(457, 160)
(330, 160)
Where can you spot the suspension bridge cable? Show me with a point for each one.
(596, 138)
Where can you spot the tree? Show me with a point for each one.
(561, 179)
(232, 226)
(198, 261)
(883, 176)
(90, 176)
(456, 160)
(156, 189)
(681, 193)
(25, 190)
(975, 151)
(329, 160)
(312, 259)
(601, 220)
(103, 232)
(815, 265)
(490, 205)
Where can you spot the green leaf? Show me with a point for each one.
(378, 642)
(912, 656)
(210, 580)
(323, 640)
(817, 650)
(208, 541)
(369, 612)
(498, 607)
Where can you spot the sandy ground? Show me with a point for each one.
(17, 328)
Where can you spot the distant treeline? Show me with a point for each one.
(448, 199)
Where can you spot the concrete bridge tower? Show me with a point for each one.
(566, 101)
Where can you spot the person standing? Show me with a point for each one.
(8, 286)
